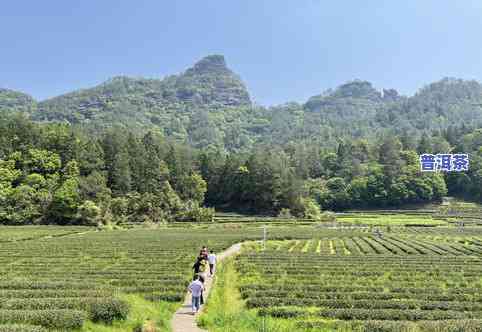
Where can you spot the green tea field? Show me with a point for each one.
(414, 280)
(305, 277)
(81, 279)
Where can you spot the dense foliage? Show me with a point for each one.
(208, 106)
(133, 150)
(59, 174)
(173, 106)
(16, 101)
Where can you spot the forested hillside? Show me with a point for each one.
(11, 101)
(208, 106)
(56, 173)
(160, 150)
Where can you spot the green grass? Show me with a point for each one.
(225, 310)
(142, 312)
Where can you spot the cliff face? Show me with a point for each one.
(211, 81)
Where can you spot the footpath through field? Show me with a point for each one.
(183, 320)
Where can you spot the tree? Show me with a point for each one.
(358, 191)
(376, 191)
(169, 200)
(439, 187)
(398, 192)
(425, 145)
(66, 198)
(88, 213)
(22, 207)
(57, 173)
(311, 210)
(121, 181)
(193, 188)
(120, 209)
(389, 157)
(94, 187)
(137, 160)
(330, 164)
(336, 196)
(42, 161)
(193, 212)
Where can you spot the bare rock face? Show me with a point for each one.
(211, 81)
(211, 64)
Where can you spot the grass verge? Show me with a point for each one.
(226, 312)
(152, 316)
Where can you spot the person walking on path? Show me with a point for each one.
(200, 270)
(212, 262)
(196, 288)
(183, 320)
(197, 267)
(204, 252)
(203, 272)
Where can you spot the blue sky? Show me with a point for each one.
(283, 50)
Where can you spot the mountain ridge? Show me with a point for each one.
(208, 105)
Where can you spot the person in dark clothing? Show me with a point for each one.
(197, 267)
(204, 252)
(200, 271)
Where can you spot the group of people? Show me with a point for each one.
(204, 267)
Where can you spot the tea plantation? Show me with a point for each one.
(315, 277)
(411, 279)
(60, 278)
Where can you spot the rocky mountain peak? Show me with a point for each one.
(210, 64)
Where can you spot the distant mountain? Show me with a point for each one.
(208, 106)
(351, 106)
(150, 102)
(357, 109)
(16, 101)
(440, 104)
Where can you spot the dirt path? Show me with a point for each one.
(183, 320)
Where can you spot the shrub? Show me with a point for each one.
(328, 216)
(326, 325)
(59, 319)
(282, 312)
(311, 210)
(387, 326)
(168, 297)
(120, 209)
(62, 319)
(21, 328)
(108, 310)
(193, 212)
(462, 325)
(389, 314)
(88, 213)
(285, 214)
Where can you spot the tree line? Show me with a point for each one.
(62, 174)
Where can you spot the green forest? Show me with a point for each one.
(181, 148)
